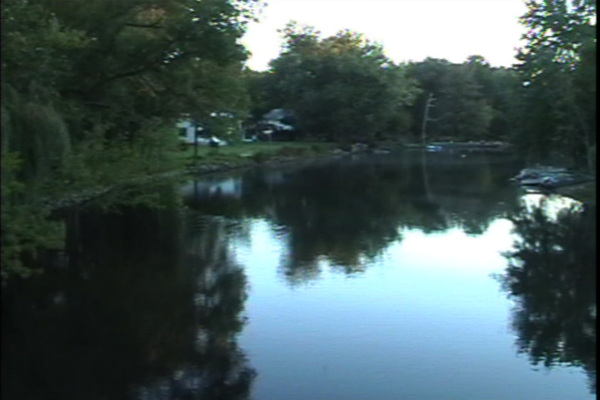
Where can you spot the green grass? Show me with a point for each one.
(134, 167)
(242, 153)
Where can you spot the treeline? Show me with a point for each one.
(344, 88)
(92, 90)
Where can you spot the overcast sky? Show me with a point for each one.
(407, 29)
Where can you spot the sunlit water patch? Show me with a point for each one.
(551, 205)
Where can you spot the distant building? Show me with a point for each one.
(277, 124)
(220, 124)
(187, 130)
(279, 115)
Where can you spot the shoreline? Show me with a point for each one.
(205, 169)
(208, 167)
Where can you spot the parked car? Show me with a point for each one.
(212, 141)
(216, 142)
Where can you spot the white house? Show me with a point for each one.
(229, 127)
(187, 129)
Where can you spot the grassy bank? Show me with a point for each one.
(246, 154)
(124, 169)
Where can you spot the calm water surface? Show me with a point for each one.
(373, 277)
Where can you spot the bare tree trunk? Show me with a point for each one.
(428, 105)
(195, 143)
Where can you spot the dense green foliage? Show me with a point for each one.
(92, 89)
(341, 88)
(105, 74)
(558, 71)
(472, 100)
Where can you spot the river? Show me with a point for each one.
(402, 276)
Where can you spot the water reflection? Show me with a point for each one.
(552, 278)
(348, 212)
(147, 306)
(147, 301)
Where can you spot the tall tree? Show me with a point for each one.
(341, 87)
(557, 68)
(116, 68)
(469, 101)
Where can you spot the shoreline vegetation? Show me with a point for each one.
(243, 156)
(209, 160)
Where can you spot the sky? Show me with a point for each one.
(409, 30)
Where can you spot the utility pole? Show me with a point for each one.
(428, 105)
(195, 124)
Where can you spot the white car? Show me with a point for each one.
(216, 142)
(207, 141)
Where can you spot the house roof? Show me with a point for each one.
(277, 114)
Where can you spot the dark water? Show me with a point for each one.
(373, 277)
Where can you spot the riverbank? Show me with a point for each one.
(205, 160)
(188, 162)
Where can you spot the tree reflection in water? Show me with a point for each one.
(146, 305)
(348, 212)
(552, 278)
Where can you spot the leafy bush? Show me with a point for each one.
(26, 228)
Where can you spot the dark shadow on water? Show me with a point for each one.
(552, 278)
(146, 304)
